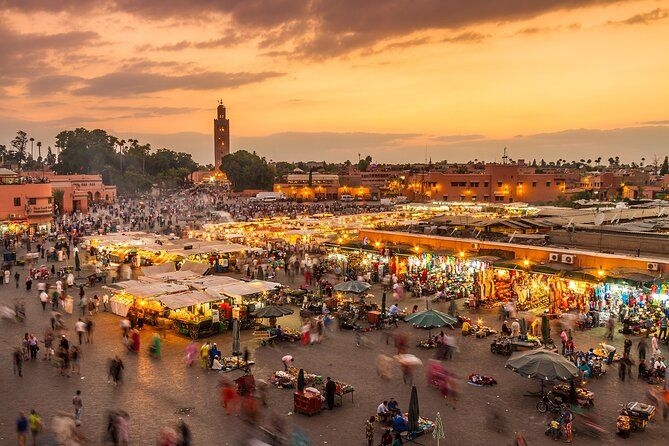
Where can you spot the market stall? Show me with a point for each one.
(193, 313)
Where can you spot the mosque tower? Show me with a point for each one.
(221, 135)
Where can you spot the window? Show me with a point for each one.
(499, 197)
(462, 198)
(548, 184)
(486, 198)
(499, 184)
(534, 184)
(473, 197)
(32, 200)
(444, 198)
(485, 184)
(474, 184)
(454, 184)
(17, 201)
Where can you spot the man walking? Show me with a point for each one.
(80, 328)
(21, 429)
(78, 405)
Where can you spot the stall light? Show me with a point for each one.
(462, 254)
(416, 248)
(526, 262)
(600, 273)
(377, 244)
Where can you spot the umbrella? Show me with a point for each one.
(431, 319)
(383, 304)
(300, 380)
(352, 286)
(272, 311)
(414, 411)
(523, 326)
(235, 337)
(438, 432)
(77, 262)
(542, 364)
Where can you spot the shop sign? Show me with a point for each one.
(215, 316)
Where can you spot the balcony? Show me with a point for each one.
(33, 210)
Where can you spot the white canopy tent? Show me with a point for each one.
(186, 299)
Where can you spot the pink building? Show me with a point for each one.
(25, 204)
(78, 190)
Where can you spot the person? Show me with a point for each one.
(184, 435)
(116, 370)
(515, 328)
(80, 328)
(382, 412)
(386, 438)
(398, 440)
(393, 310)
(156, 346)
(44, 299)
(204, 355)
(216, 363)
(75, 357)
(287, 362)
(655, 344)
(369, 431)
(191, 349)
(22, 429)
(393, 406)
(78, 404)
(35, 425)
(568, 419)
(563, 338)
(627, 347)
(400, 424)
(125, 326)
(641, 348)
(506, 331)
(610, 325)
(330, 390)
(663, 328)
(466, 328)
(18, 361)
(610, 350)
(622, 370)
(105, 301)
(89, 331)
(519, 440)
(213, 353)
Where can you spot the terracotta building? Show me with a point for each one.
(78, 190)
(25, 204)
(497, 183)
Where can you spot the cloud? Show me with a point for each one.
(55, 83)
(229, 39)
(320, 29)
(146, 112)
(644, 18)
(467, 37)
(24, 54)
(661, 122)
(122, 83)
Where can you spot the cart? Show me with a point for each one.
(635, 416)
(584, 397)
(264, 337)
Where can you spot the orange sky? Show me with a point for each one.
(315, 79)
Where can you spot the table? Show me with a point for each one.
(306, 403)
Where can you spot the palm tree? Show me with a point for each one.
(643, 160)
(31, 147)
(39, 151)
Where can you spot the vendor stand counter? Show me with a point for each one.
(584, 397)
(198, 328)
(341, 390)
(307, 402)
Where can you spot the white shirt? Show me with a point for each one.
(382, 409)
(394, 309)
(80, 326)
(43, 297)
(59, 286)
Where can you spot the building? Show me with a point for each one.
(221, 135)
(26, 204)
(78, 190)
(299, 185)
(496, 183)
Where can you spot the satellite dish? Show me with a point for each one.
(599, 218)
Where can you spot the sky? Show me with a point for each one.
(331, 80)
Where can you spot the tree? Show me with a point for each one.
(248, 171)
(50, 157)
(19, 145)
(364, 163)
(665, 166)
(58, 196)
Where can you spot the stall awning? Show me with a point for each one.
(553, 268)
(209, 282)
(174, 276)
(242, 289)
(159, 269)
(150, 290)
(197, 268)
(631, 274)
(187, 299)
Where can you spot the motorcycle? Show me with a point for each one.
(548, 403)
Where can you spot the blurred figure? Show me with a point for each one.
(65, 430)
(116, 370)
(384, 366)
(228, 395)
(156, 346)
(21, 429)
(35, 425)
(17, 358)
(184, 435)
(191, 350)
(167, 437)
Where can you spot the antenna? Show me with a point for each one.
(505, 157)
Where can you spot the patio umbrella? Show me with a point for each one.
(352, 286)
(431, 319)
(438, 432)
(272, 311)
(300, 380)
(77, 262)
(542, 364)
(545, 329)
(414, 411)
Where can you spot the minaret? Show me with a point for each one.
(221, 135)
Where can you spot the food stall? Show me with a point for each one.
(194, 313)
(133, 294)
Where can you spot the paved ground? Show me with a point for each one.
(154, 390)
